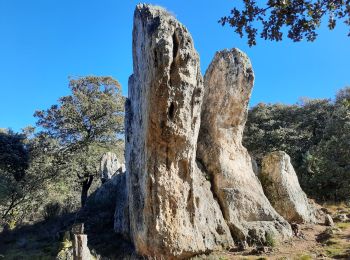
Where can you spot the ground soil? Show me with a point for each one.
(317, 242)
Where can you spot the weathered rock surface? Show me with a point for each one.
(319, 211)
(341, 218)
(173, 213)
(109, 165)
(80, 248)
(282, 188)
(109, 191)
(328, 221)
(108, 205)
(228, 83)
(121, 214)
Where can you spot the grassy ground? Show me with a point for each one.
(337, 239)
(30, 242)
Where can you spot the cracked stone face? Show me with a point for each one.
(228, 83)
(172, 210)
(186, 194)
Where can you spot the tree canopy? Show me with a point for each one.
(25, 166)
(300, 18)
(315, 133)
(85, 124)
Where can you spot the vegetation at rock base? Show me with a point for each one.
(335, 240)
(270, 240)
(300, 18)
(315, 133)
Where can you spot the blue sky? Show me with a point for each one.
(45, 41)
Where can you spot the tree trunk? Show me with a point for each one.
(86, 184)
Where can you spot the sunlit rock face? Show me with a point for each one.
(190, 184)
(228, 83)
(173, 213)
(109, 165)
(282, 188)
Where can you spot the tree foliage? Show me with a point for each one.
(315, 133)
(85, 124)
(330, 159)
(300, 18)
(25, 167)
(47, 167)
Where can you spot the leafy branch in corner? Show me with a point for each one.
(301, 18)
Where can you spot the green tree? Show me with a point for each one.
(14, 161)
(331, 158)
(301, 18)
(294, 129)
(85, 124)
(24, 169)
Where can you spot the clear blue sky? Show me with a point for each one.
(45, 41)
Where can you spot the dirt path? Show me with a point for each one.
(295, 248)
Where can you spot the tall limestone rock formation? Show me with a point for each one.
(228, 83)
(173, 213)
(282, 188)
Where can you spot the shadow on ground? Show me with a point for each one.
(42, 240)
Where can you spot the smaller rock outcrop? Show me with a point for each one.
(109, 165)
(108, 205)
(341, 218)
(328, 221)
(282, 188)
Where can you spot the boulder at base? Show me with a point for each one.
(282, 188)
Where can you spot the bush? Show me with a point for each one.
(69, 206)
(270, 240)
(316, 136)
(51, 210)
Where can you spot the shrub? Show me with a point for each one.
(270, 239)
(51, 210)
(69, 206)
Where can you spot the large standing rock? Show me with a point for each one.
(109, 165)
(228, 83)
(172, 210)
(282, 188)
